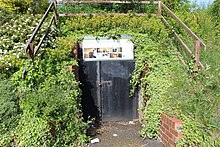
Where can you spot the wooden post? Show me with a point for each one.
(197, 63)
(55, 12)
(159, 9)
(197, 51)
(75, 51)
(31, 51)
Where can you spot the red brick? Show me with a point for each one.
(164, 117)
(175, 123)
(169, 134)
(161, 134)
(171, 143)
(165, 142)
(164, 136)
(169, 121)
(162, 128)
(162, 139)
(168, 118)
(166, 126)
(175, 132)
(172, 123)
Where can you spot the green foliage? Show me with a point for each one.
(23, 6)
(153, 73)
(8, 103)
(15, 5)
(215, 9)
(110, 26)
(9, 111)
(158, 71)
(32, 131)
(5, 16)
(134, 7)
(178, 5)
(38, 6)
(198, 134)
(196, 101)
(49, 99)
(54, 111)
(14, 35)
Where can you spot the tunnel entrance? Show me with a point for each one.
(105, 69)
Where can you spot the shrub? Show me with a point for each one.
(50, 100)
(22, 6)
(14, 35)
(51, 115)
(9, 111)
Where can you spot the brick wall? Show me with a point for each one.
(170, 130)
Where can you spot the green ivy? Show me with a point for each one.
(49, 99)
(9, 112)
(14, 35)
(164, 82)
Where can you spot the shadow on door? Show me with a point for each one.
(105, 90)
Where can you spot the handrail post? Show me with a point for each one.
(55, 12)
(31, 51)
(197, 51)
(159, 9)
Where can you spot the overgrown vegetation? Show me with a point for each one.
(49, 100)
(24, 6)
(173, 91)
(40, 99)
(9, 110)
(15, 32)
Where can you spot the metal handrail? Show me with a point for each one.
(185, 27)
(198, 42)
(38, 27)
(30, 46)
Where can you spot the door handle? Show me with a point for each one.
(100, 85)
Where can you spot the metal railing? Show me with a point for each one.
(30, 47)
(197, 46)
(198, 42)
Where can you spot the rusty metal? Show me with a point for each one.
(38, 27)
(55, 12)
(43, 37)
(31, 51)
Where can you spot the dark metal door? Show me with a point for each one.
(114, 91)
(106, 90)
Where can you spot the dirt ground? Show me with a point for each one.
(120, 134)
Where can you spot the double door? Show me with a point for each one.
(106, 90)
